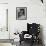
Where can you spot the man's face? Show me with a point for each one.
(21, 12)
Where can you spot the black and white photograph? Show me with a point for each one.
(22, 22)
(21, 13)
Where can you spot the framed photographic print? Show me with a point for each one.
(21, 13)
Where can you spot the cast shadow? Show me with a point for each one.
(41, 35)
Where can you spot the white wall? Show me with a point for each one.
(4, 34)
(35, 13)
(3, 1)
(3, 21)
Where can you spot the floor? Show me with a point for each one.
(5, 44)
(22, 44)
(27, 44)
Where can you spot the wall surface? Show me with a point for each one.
(3, 21)
(3, 34)
(3, 1)
(35, 14)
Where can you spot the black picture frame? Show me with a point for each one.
(21, 13)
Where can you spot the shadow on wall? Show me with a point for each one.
(41, 35)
